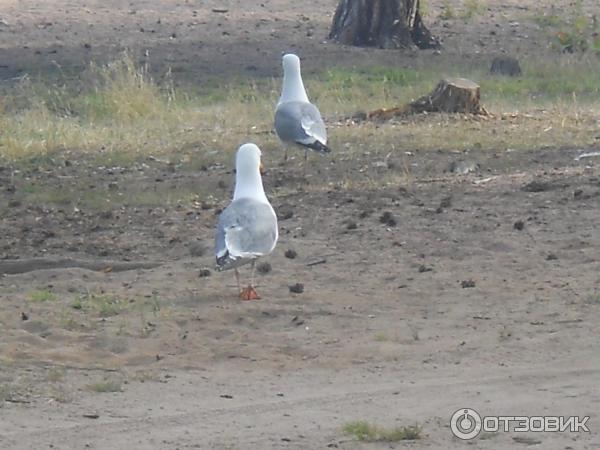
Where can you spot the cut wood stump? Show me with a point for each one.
(451, 95)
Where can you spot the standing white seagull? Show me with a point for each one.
(297, 120)
(247, 228)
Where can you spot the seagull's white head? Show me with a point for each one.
(248, 181)
(291, 63)
(293, 87)
(248, 159)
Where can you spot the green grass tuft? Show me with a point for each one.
(105, 305)
(367, 432)
(473, 8)
(55, 374)
(44, 295)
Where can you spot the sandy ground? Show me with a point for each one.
(477, 291)
(61, 37)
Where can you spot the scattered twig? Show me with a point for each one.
(587, 155)
(16, 400)
(317, 262)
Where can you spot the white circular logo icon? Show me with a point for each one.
(465, 423)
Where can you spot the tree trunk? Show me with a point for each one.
(380, 23)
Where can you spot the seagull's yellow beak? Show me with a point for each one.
(261, 169)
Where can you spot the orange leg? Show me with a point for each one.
(250, 293)
(305, 162)
(237, 279)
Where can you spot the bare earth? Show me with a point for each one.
(482, 292)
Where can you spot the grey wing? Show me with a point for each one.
(300, 122)
(246, 230)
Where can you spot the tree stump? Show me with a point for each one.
(380, 23)
(452, 95)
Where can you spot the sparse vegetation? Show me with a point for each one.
(43, 295)
(381, 337)
(55, 374)
(473, 8)
(572, 30)
(593, 298)
(127, 116)
(105, 305)
(60, 394)
(5, 392)
(367, 432)
(447, 11)
(106, 385)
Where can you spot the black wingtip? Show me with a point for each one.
(318, 147)
(222, 262)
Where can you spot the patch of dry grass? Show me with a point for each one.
(106, 385)
(126, 116)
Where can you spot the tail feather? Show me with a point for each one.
(318, 147)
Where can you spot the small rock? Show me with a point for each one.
(297, 288)
(446, 202)
(551, 257)
(297, 321)
(388, 219)
(351, 225)
(24, 316)
(462, 167)
(264, 268)
(526, 440)
(519, 225)
(197, 249)
(285, 213)
(290, 253)
(423, 268)
(204, 273)
(467, 284)
(505, 65)
(537, 186)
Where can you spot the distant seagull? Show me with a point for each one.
(247, 228)
(297, 120)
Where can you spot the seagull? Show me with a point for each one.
(247, 228)
(297, 120)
